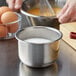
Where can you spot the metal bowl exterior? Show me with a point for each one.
(38, 55)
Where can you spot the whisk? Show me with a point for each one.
(46, 8)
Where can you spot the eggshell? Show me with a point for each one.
(8, 17)
(0, 22)
(12, 28)
(3, 31)
(4, 9)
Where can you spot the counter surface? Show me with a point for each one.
(10, 64)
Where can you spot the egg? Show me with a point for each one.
(8, 22)
(4, 9)
(8, 17)
(0, 22)
(3, 31)
(12, 28)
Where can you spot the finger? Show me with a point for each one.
(67, 15)
(11, 4)
(73, 18)
(63, 10)
(18, 4)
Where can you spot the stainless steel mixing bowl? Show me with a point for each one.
(33, 20)
(38, 54)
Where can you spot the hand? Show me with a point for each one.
(14, 4)
(68, 12)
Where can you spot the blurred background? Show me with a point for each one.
(3, 2)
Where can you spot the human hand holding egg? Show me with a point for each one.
(7, 16)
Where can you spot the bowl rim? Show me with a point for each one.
(49, 28)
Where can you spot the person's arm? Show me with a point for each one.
(14, 4)
(68, 12)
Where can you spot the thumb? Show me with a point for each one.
(11, 3)
(18, 4)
